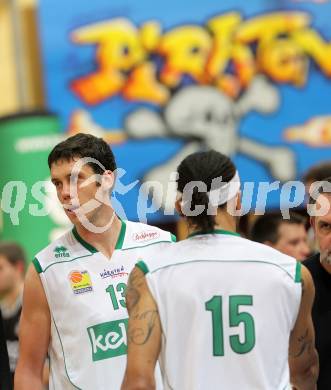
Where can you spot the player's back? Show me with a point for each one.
(227, 306)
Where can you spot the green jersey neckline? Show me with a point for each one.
(89, 247)
(215, 231)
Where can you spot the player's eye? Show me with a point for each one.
(78, 177)
(325, 226)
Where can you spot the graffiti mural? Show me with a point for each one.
(249, 82)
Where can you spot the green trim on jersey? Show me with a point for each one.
(120, 240)
(216, 231)
(91, 248)
(37, 265)
(66, 261)
(85, 244)
(64, 358)
(144, 246)
(142, 266)
(298, 273)
(173, 238)
(223, 261)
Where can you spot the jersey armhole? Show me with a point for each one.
(297, 277)
(142, 266)
(37, 265)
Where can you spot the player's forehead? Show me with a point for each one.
(65, 167)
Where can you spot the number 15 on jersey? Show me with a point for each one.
(236, 316)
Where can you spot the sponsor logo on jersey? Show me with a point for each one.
(80, 282)
(145, 236)
(108, 339)
(113, 273)
(61, 251)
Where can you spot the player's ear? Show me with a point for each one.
(178, 207)
(20, 267)
(238, 202)
(108, 179)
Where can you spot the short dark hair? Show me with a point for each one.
(204, 167)
(13, 252)
(319, 189)
(84, 145)
(266, 227)
(318, 172)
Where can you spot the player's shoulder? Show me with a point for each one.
(61, 249)
(235, 246)
(138, 235)
(230, 247)
(265, 254)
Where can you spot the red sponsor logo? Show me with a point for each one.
(145, 236)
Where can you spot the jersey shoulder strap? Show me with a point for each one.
(65, 248)
(139, 235)
(221, 249)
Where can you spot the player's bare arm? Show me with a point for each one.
(303, 358)
(34, 334)
(144, 334)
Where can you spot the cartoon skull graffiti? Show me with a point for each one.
(206, 118)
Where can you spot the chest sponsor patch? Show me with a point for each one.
(108, 339)
(113, 273)
(145, 236)
(80, 282)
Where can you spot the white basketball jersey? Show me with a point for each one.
(86, 295)
(227, 306)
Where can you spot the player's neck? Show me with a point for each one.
(9, 300)
(104, 242)
(225, 221)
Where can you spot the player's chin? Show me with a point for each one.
(79, 217)
(72, 216)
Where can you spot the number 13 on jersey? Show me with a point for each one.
(215, 305)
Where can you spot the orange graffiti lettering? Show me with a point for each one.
(145, 64)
